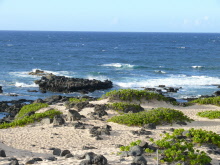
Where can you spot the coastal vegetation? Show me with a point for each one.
(125, 107)
(77, 100)
(158, 116)
(30, 119)
(209, 100)
(132, 94)
(30, 108)
(181, 146)
(210, 114)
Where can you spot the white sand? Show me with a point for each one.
(35, 140)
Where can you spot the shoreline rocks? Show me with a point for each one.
(67, 85)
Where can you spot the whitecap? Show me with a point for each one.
(195, 67)
(160, 71)
(20, 84)
(181, 47)
(119, 65)
(10, 45)
(101, 77)
(174, 81)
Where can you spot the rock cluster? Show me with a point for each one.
(67, 85)
(1, 91)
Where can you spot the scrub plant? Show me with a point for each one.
(159, 116)
(30, 119)
(127, 148)
(132, 94)
(77, 100)
(29, 108)
(180, 146)
(180, 149)
(210, 114)
(209, 100)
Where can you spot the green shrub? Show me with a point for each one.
(30, 119)
(210, 114)
(159, 116)
(204, 137)
(127, 148)
(177, 149)
(29, 108)
(181, 150)
(125, 107)
(209, 100)
(77, 100)
(132, 94)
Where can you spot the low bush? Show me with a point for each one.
(132, 94)
(182, 150)
(29, 108)
(209, 100)
(210, 114)
(125, 107)
(30, 119)
(159, 116)
(77, 100)
(178, 149)
(127, 148)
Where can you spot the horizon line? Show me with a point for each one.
(103, 31)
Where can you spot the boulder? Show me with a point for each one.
(1, 91)
(149, 126)
(2, 153)
(67, 85)
(39, 101)
(57, 151)
(39, 72)
(100, 160)
(58, 120)
(217, 93)
(73, 115)
(14, 162)
(135, 151)
(64, 152)
(53, 99)
(139, 160)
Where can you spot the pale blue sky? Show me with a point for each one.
(111, 15)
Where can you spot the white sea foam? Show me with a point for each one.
(175, 81)
(181, 47)
(101, 78)
(57, 73)
(20, 84)
(119, 65)
(160, 71)
(197, 66)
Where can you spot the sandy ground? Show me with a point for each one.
(35, 140)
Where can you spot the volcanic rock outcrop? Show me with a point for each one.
(67, 85)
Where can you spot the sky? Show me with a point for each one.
(111, 15)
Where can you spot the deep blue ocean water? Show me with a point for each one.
(130, 60)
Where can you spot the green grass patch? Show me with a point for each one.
(77, 100)
(210, 114)
(209, 100)
(125, 107)
(29, 108)
(132, 94)
(30, 119)
(159, 116)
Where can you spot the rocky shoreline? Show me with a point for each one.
(82, 136)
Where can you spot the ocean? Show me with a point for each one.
(130, 60)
